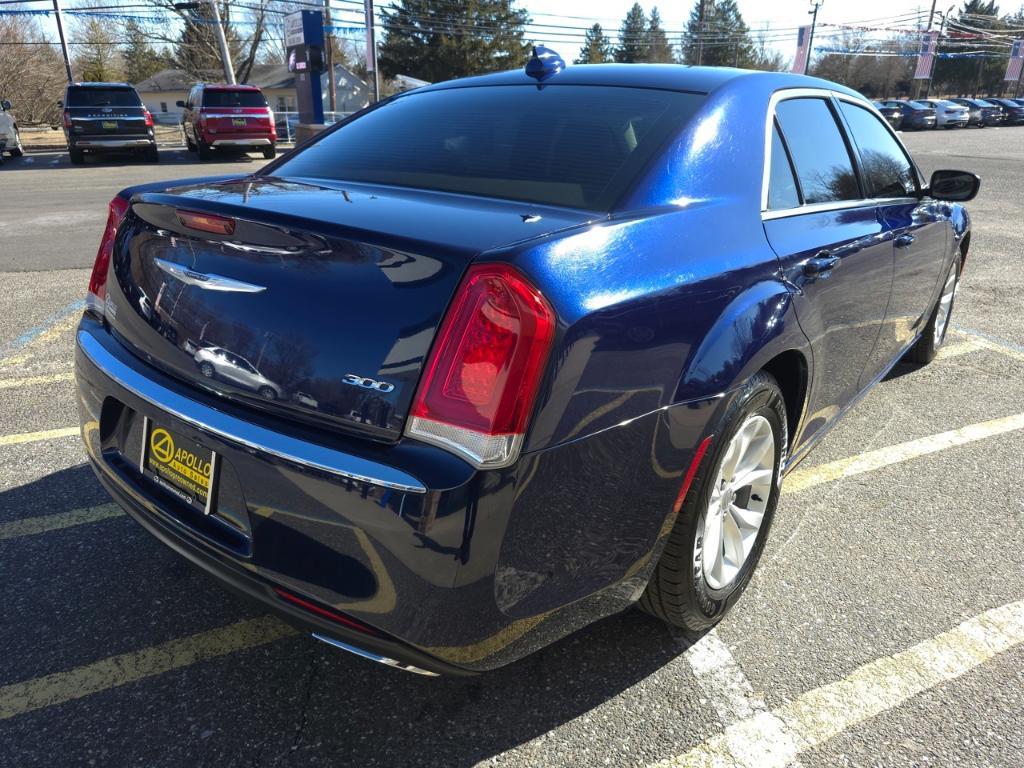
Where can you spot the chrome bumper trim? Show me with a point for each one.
(236, 430)
(113, 143)
(240, 143)
(373, 656)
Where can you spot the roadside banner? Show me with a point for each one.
(926, 55)
(803, 37)
(1013, 68)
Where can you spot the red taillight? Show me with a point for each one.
(149, 118)
(340, 618)
(67, 119)
(207, 222)
(116, 212)
(482, 377)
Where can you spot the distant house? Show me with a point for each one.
(161, 91)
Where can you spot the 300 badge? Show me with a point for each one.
(180, 466)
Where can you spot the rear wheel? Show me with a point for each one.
(77, 156)
(151, 155)
(724, 520)
(270, 152)
(267, 393)
(934, 333)
(207, 370)
(17, 150)
(205, 153)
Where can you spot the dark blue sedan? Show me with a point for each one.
(502, 356)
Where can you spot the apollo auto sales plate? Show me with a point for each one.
(110, 125)
(238, 122)
(180, 466)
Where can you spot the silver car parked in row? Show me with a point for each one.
(219, 363)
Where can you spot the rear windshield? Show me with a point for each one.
(103, 97)
(917, 105)
(233, 99)
(575, 146)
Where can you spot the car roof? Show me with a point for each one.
(672, 77)
(228, 87)
(101, 85)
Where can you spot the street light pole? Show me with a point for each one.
(332, 87)
(371, 53)
(810, 40)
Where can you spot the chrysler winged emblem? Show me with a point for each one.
(208, 282)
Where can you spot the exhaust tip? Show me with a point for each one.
(374, 657)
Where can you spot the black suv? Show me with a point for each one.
(107, 117)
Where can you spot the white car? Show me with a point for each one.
(948, 114)
(9, 135)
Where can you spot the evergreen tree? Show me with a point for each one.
(597, 48)
(438, 41)
(141, 60)
(97, 58)
(723, 40)
(632, 37)
(659, 50)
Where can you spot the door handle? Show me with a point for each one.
(823, 262)
(904, 240)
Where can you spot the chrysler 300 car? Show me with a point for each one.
(559, 334)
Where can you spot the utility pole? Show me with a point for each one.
(810, 40)
(371, 54)
(332, 87)
(225, 54)
(63, 41)
(700, 33)
(935, 57)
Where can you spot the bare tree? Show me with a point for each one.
(31, 71)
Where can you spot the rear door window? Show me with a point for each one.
(820, 155)
(887, 170)
(228, 99)
(103, 97)
(782, 189)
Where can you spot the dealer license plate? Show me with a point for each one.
(180, 466)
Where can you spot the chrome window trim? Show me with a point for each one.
(819, 93)
(241, 432)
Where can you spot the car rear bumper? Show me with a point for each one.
(251, 142)
(102, 142)
(439, 566)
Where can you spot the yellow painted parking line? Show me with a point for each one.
(30, 381)
(774, 739)
(60, 687)
(43, 523)
(26, 353)
(801, 479)
(34, 437)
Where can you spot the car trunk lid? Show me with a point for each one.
(321, 302)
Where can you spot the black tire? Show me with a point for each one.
(678, 592)
(924, 351)
(270, 152)
(151, 155)
(267, 393)
(205, 152)
(77, 156)
(207, 370)
(17, 150)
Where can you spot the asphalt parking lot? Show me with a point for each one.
(885, 625)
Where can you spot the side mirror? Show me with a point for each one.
(956, 186)
(180, 104)
(5, 105)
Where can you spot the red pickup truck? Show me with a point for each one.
(228, 116)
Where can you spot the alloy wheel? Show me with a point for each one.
(739, 499)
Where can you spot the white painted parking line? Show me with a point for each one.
(725, 684)
(774, 739)
(31, 526)
(801, 479)
(33, 437)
